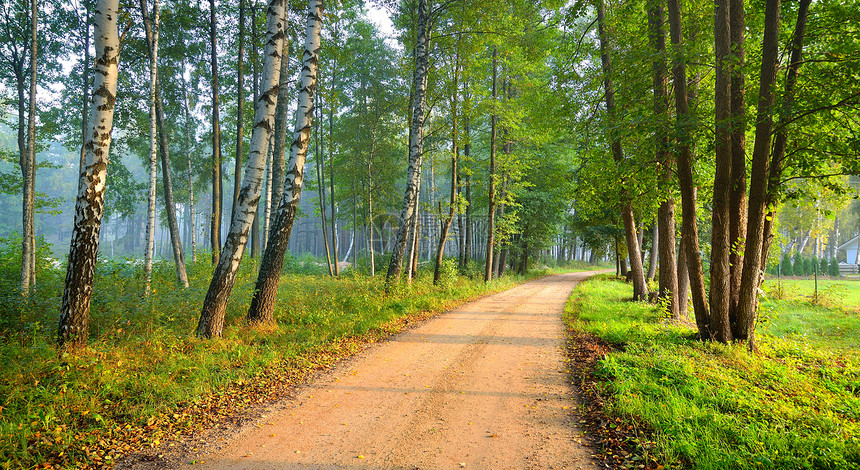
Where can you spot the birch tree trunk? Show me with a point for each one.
(164, 151)
(320, 165)
(89, 207)
(491, 192)
(187, 124)
(690, 228)
(263, 302)
(28, 168)
(334, 237)
(279, 152)
(455, 151)
(153, 162)
(212, 315)
(267, 209)
(240, 103)
(215, 227)
(416, 141)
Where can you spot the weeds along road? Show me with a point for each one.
(482, 387)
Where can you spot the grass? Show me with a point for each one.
(711, 406)
(144, 378)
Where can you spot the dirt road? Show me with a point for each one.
(480, 387)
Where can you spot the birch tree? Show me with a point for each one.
(28, 167)
(263, 302)
(214, 306)
(416, 142)
(153, 164)
(89, 207)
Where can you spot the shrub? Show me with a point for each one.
(808, 266)
(785, 265)
(823, 266)
(797, 265)
(834, 267)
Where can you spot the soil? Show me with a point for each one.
(485, 386)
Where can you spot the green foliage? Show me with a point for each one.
(793, 406)
(834, 267)
(785, 265)
(808, 268)
(823, 267)
(797, 265)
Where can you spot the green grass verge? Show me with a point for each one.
(795, 405)
(145, 378)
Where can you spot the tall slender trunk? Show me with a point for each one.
(215, 226)
(267, 208)
(28, 160)
(334, 237)
(455, 151)
(187, 129)
(738, 189)
(85, 79)
(265, 292)
(254, 239)
(73, 327)
(665, 232)
(689, 228)
(652, 256)
(491, 192)
(278, 166)
(320, 166)
(153, 149)
(240, 103)
(758, 200)
(214, 306)
(370, 204)
(416, 141)
(164, 149)
(720, 243)
(640, 289)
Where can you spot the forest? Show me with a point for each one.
(208, 200)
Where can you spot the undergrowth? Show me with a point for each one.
(795, 405)
(144, 377)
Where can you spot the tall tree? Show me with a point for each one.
(665, 231)
(215, 226)
(28, 166)
(491, 193)
(164, 148)
(240, 102)
(153, 163)
(455, 151)
(759, 174)
(214, 306)
(684, 160)
(74, 313)
(265, 292)
(738, 189)
(640, 289)
(416, 140)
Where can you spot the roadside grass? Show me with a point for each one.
(838, 293)
(709, 406)
(145, 378)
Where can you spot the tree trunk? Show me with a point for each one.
(738, 190)
(320, 165)
(491, 193)
(85, 80)
(164, 148)
(153, 162)
(763, 180)
(240, 103)
(466, 156)
(214, 306)
(28, 160)
(689, 228)
(455, 151)
(267, 207)
(254, 239)
(416, 141)
(190, 173)
(215, 227)
(278, 166)
(334, 237)
(652, 256)
(263, 302)
(640, 289)
(664, 243)
(74, 314)
(683, 282)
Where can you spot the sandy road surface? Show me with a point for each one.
(480, 387)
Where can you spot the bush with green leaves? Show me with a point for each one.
(797, 265)
(823, 267)
(834, 267)
(785, 265)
